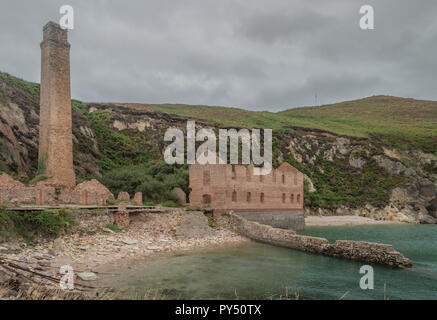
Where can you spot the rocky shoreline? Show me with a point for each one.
(337, 221)
(95, 253)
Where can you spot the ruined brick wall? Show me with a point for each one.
(227, 187)
(55, 135)
(48, 192)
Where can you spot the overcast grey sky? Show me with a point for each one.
(256, 54)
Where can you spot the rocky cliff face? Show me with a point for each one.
(19, 131)
(344, 175)
(361, 176)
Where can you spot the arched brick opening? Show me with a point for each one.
(261, 198)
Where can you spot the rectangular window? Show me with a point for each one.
(206, 178)
(249, 196)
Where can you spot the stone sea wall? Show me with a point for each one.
(368, 252)
(283, 220)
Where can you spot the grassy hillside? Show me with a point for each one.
(399, 122)
(126, 158)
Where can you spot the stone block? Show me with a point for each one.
(138, 198)
(182, 197)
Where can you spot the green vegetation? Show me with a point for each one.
(170, 204)
(79, 106)
(338, 184)
(42, 163)
(431, 167)
(114, 227)
(150, 203)
(30, 224)
(6, 225)
(40, 177)
(13, 166)
(116, 149)
(31, 87)
(154, 180)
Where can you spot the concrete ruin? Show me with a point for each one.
(275, 199)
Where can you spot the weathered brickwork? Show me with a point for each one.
(123, 196)
(49, 192)
(93, 192)
(55, 135)
(275, 199)
(227, 187)
(121, 217)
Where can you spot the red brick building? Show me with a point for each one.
(234, 187)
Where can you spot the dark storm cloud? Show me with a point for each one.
(256, 54)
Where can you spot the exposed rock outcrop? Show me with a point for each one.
(409, 187)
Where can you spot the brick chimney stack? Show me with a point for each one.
(55, 130)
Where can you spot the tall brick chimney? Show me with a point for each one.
(55, 129)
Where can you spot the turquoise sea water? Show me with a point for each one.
(258, 271)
